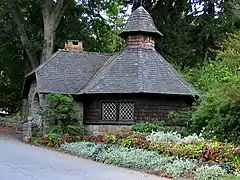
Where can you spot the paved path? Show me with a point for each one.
(19, 161)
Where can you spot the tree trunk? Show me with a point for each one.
(48, 44)
(23, 36)
(52, 14)
(51, 18)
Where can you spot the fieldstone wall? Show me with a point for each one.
(34, 104)
(79, 111)
(14, 124)
(100, 129)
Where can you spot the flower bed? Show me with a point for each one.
(144, 160)
(149, 151)
(54, 140)
(172, 144)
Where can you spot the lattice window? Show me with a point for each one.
(109, 111)
(126, 111)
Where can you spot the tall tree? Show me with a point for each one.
(52, 12)
(80, 20)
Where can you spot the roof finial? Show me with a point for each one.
(140, 2)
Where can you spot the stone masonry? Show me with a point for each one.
(101, 129)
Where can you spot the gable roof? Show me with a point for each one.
(67, 71)
(138, 69)
(140, 21)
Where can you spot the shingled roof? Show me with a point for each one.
(67, 71)
(138, 69)
(140, 21)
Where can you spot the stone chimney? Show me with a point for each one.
(74, 45)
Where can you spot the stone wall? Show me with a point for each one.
(100, 129)
(12, 123)
(34, 103)
(79, 111)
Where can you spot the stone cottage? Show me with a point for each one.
(113, 91)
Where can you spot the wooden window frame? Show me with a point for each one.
(117, 121)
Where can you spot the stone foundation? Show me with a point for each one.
(79, 111)
(100, 129)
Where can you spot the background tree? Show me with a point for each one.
(192, 29)
(23, 37)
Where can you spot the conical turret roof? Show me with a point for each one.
(140, 21)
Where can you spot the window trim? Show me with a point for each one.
(117, 121)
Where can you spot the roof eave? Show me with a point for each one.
(125, 33)
(140, 92)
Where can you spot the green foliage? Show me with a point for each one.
(60, 110)
(127, 142)
(218, 109)
(231, 177)
(146, 127)
(180, 21)
(54, 140)
(110, 138)
(80, 21)
(75, 130)
(192, 147)
(209, 173)
(219, 113)
(222, 153)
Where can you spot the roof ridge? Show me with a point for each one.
(49, 60)
(107, 64)
(140, 79)
(83, 87)
(178, 76)
(86, 52)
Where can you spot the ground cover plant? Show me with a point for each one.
(145, 160)
(227, 155)
(192, 151)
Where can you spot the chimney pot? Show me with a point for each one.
(74, 45)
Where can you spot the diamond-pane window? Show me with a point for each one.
(126, 111)
(109, 111)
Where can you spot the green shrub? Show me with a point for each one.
(60, 109)
(179, 118)
(75, 130)
(146, 127)
(60, 113)
(209, 173)
(219, 112)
